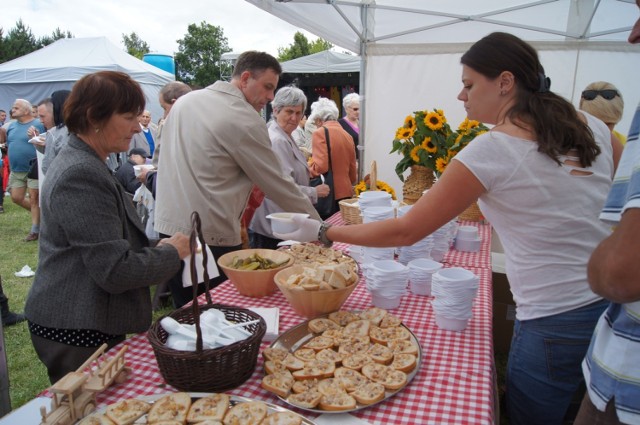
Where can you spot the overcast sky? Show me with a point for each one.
(158, 22)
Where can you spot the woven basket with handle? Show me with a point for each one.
(207, 370)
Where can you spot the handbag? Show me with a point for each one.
(33, 169)
(326, 206)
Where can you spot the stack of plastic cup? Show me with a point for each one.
(440, 243)
(375, 198)
(387, 282)
(454, 290)
(420, 272)
(377, 214)
(420, 249)
(369, 254)
(467, 239)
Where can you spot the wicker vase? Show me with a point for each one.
(420, 179)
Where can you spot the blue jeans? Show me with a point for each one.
(544, 367)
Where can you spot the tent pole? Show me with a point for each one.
(364, 12)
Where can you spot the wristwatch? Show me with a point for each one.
(322, 234)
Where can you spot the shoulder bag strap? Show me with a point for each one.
(326, 136)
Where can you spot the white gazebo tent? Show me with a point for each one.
(59, 65)
(410, 51)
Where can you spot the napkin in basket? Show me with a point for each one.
(211, 266)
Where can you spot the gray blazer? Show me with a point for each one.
(95, 264)
(139, 140)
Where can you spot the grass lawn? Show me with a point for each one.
(27, 376)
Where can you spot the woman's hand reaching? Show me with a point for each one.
(307, 230)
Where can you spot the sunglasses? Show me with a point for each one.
(592, 94)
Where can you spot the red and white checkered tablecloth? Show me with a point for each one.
(455, 382)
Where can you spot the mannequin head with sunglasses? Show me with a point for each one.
(604, 101)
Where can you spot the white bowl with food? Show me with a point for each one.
(282, 222)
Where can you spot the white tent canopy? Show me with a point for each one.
(59, 65)
(322, 62)
(410, 52)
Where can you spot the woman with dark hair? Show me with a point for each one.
(58, 136)
(540, 177)
(95, 262)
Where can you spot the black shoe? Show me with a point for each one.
(1, 209)
(13, 318)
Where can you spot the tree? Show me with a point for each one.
(55, 36)
(135, 45)
(198, 57)
(302, 47)
(18, 42)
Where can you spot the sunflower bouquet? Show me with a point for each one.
(427, 139)
(364, 185)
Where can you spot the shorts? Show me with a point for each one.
(20, 180)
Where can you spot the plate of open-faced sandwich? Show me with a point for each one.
(342, 362)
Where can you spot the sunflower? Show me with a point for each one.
(429, 146)
(410, 122)
(405, 133)
(434, 121)
(441, 164)
(414, 153)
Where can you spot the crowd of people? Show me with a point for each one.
(540, 176)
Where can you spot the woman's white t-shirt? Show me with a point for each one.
(546, 217)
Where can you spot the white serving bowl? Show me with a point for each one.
(468, 245)
(137, 169)
(282, 222)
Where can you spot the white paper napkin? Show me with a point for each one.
(211, 266)
(271, 316)
(25, 272)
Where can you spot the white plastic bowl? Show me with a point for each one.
(467, 232)
(138, 168)
(385, 302)
(468, 245)
(282, 222)
(450, 324)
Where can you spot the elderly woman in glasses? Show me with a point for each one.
(288, 104)
(604, 101)
(351, 121)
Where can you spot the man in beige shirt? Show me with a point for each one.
(215, 149)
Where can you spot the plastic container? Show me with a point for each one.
(385, 302)
(450, 324)
(164, 62)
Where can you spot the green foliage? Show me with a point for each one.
(55, 36)
(135, 46)
(198, 57)
(20, 41)
(302, 47)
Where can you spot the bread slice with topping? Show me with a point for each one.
(308, 399)
(369, 393)
(172, 407)
(279, 383)
(337, 401)
(96, 419)
(282, 418)
(249, 413)
(317, 326)
(211, 407)
(343, 317)
(127, 411)
(373, 315)
(404, 362)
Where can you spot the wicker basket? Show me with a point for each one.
(472, 213)
(207, 370)
(350, 212)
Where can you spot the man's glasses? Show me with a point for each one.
(592, 94)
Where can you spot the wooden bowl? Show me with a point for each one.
(312, 304)
(254, 283)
